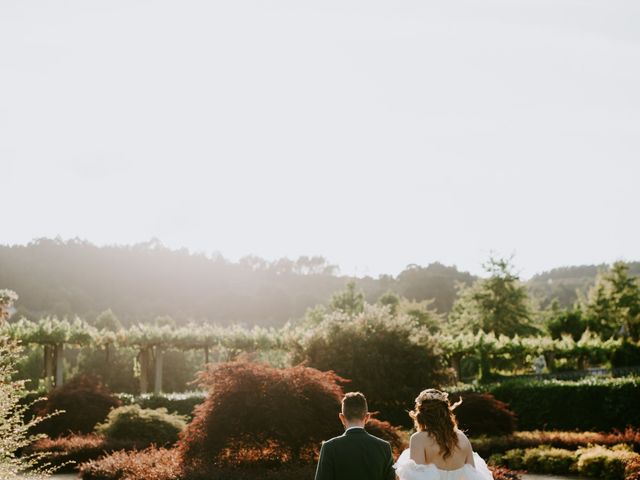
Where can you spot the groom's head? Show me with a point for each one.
(355, 411)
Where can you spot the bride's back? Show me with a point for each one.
(433, 454)
(437, 440)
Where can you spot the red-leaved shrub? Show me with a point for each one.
(149, 464)
(503, 473)
(260, 416)
(388, 432)
(163, 464)
(482, 414)
(632, 470)
(85, 402)
(66, 453)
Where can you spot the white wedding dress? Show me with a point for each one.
(407, 469)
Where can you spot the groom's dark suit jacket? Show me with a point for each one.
(356, 455)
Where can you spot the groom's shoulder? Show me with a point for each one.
(332, 440)
(378, 440)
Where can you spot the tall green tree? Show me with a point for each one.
(107, 320)
(499, 303)
(613, 303)
(349, 301)
(390, 300)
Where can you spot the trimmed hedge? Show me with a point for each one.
(486, 446)
(617, 463)
(597, 404)
(600, 404)
(179, 403)
(143, 425)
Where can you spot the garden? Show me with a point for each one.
(551, 391)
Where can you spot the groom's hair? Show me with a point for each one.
(354, 406)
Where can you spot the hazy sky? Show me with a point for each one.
(377, 134)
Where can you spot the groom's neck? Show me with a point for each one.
(354, 425)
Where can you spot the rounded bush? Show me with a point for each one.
(626, 355)
(259, 416)
(388, 358)
(601, 462)
(549, 460)
(142, 425)
(84, 402)
(481, 414)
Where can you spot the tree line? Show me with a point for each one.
(494, 325)
(144, 281)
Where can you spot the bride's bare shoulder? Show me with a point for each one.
(420, 437)
(423, 439)
(463, 441)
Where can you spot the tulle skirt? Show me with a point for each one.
(407, 469)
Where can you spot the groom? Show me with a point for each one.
(355, 455)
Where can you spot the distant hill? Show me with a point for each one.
(563, 283)
(143, 281)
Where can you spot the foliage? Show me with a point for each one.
(149, 464)
(14, 430)
(436, 282)
(600, 462)
(423, 314)
(140, 282)
(613, 303)
(388, 358)
(179, 403)
(486, 446)
(600, 404)
(388, 432)
(66, 453)
(349, 301)
(83, 401)
(258, 415)
(498, 304)
(390, 300)
(626, 355)
(142, 425)
(565, 322)
(117, 371)
(548, 460)
(163, 464)
(632, 470)
(482, 414)
(503, 473)
(7, 299)
(594, 461)
(112, 355)
(107, 320)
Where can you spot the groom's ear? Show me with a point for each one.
(367, 417)
(342, 419)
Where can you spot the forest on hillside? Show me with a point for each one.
(143, 281)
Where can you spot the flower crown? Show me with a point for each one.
(432, 394)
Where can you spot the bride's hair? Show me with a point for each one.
(434, 414)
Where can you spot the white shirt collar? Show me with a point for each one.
(352, 428)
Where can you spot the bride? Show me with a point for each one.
(439, 450)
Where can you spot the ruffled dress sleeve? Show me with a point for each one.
(407, 469)
(481, 467)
